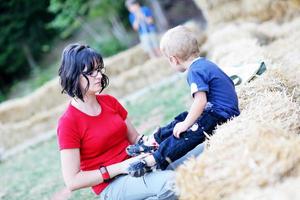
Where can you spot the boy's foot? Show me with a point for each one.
(140, 147)
(139, 168)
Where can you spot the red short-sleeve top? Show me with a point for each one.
(101, 139)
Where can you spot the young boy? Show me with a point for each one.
(142, 21)
(214, 102)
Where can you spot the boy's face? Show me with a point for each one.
(134, 8)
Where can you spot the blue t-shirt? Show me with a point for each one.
(144, 27)
(206, 76)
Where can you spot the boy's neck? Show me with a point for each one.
(186, 64)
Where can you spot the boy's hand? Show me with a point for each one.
(179, 128)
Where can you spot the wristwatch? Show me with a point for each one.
(105, 174)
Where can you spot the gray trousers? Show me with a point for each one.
(158, 185)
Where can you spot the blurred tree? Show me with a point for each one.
(115, 13)
(161, 19)
(24, 37)
(68, 14)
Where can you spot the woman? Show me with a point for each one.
(94, 132)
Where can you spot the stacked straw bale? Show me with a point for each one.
(125, 60)
(43, 99)
(255, 155)
(217, 11)
(29, 116)
(139, 76)
(258, 149)
(285, 191)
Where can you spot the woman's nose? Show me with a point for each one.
(99, 74)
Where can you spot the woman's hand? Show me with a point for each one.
(126, 163)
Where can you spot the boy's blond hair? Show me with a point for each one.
(179, 42)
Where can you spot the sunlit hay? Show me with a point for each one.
(197, 31)
(277, 79)
(238, 52)
(125, 60)
(278, 30)
(234, 45)
(227, 32)
(43, 99)
(257, 149)
(287, 190)
(286, 50)
(263, 33)
(217, 11)
(12, 134)
(140, 76)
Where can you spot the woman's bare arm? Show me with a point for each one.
(75, 178)
(132, 133)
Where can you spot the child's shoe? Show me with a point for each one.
(139, 168)
(140, 147)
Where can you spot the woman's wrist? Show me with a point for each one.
(115, 169)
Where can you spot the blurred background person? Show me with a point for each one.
(142, 21)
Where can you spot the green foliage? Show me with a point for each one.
(22, 25)
(108, 8)
(67, 15)
(2, 96)
(109, 47)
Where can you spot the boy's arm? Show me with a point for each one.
(136, 24)
(148, 15)
(195, 111)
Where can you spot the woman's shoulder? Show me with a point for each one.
(67, 116)
(106, 98)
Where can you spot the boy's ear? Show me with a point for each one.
(174, 60)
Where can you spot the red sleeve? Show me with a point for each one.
(67, 136)
(118, 107)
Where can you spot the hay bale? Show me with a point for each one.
(255, 153)
(44, 98)
(197, 31)
(125, 60)
(249, 151)
(140, 76)
(12, 134)
(287, 190)
(217, 11)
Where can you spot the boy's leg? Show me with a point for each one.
(174, 148)
(157, 185)
(155, 43)
(146, 44)
(166, 131)
(149, 144)
(193, 153)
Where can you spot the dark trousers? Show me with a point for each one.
(172, 148)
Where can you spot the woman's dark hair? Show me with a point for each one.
(79, 60)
